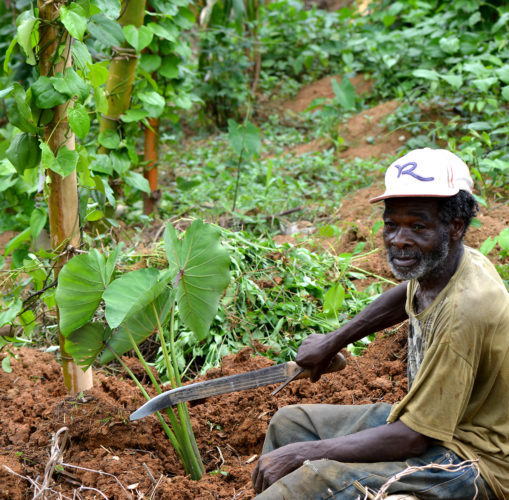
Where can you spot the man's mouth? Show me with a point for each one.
(404, 261)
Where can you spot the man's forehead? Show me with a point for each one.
(421, 207)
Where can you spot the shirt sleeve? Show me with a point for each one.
(439, 395)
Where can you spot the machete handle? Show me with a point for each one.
(294, 371)
(337, 364)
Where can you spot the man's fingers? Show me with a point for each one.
(258, 477)
(255, 477)
(316, 373)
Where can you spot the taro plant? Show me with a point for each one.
(139, 303)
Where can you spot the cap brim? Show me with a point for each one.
(385, 196)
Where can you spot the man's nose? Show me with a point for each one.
(401, 238)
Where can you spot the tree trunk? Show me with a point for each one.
(63, 198)
(122, 69)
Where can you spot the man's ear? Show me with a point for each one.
(456, 229)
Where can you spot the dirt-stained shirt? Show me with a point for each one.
(460, 393)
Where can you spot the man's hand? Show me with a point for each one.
(316, 353)
(274, 465)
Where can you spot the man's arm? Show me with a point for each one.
(385, 443)
(317, 350)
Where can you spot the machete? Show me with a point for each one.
(265, 376)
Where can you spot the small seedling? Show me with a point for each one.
(220, 472)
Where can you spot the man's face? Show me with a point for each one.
(417, 242)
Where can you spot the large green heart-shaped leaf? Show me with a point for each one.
(200, 268)
(26, 23)
(18, 111)
(81, 55)
(137, 181)
(109, 139)
(24, 152)
(165, 29)
(345, 93)
(140, 325)
(132, 292)
(71, 84)
(170, 66)
(139, 38)
(105, 31)
(153, 102)
(110, 8)
(81, 284)
(86, 343)
(98, 74)
(427, 74)
(244, 139)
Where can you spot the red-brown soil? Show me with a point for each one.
(125, 459)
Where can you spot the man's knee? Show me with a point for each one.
(284, 428)
(284, 417)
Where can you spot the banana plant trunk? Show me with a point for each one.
(122, 69)
(63, 198)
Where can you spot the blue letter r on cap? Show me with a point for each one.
(403, 170)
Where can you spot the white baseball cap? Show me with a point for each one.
(426, 173)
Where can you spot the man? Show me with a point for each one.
(457, 407)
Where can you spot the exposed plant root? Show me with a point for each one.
(42, 491)
(102, 473)
(37, 487)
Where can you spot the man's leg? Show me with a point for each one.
(295, 423)
(330, 479)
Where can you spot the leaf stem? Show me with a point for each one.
(167, 430)
(188, 441)
(169, 411)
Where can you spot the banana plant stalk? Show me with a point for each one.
(122, 69)
(54, 57)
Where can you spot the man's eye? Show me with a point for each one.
(389, 224)
(419, 227)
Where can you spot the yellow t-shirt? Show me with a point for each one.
(460, 393)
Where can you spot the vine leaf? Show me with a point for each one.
(26, 23)
(74, 19)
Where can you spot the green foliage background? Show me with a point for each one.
(204, 82)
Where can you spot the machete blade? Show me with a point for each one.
(214, 387)
(232, 383)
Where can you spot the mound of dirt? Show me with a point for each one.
(366, 136)
(123, 459)
(323, 89)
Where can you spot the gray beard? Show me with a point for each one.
(426, 265)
